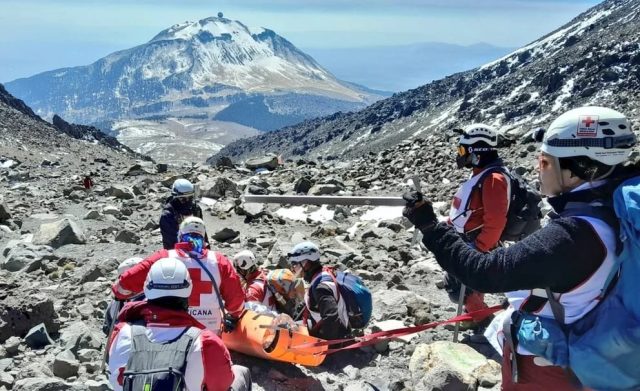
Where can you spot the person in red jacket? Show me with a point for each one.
(278, 290)
(159, 333)
(254, 279)
(216, 285)
(87, 182)
(479, 208)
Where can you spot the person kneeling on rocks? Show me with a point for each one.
(278, 290)
(326, 309)
(157, 345)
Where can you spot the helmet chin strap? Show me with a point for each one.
(606, 174)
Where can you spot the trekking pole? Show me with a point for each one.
(456, 329)
(416, 233)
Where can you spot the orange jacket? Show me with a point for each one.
(490, 207)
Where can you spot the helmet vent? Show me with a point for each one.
(622, 126)
(608, 132)
(603, 123)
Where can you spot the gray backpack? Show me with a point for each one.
(156, 366)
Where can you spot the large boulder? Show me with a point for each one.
(224, 161)
(398, 304)
(251, 209)
(65, 365)
(37, 337)
(19, 313)
(270, 162)
(449, 366)
(325, 189)
(127, 236)
(4, 211)
(59, 233)
(303, 185)
(225, 235)
(218, 189)
(25, 256)
(79, 336)
(120, 192)
(42, 384)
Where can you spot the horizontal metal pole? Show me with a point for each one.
(324, 200)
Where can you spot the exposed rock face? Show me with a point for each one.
(88, 133)
(59, 233)
(18, 314)
(449, 366)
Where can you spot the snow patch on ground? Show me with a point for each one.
(380, 213)
(301, 213)
(207, 201)
(564, 94)
(7, 163)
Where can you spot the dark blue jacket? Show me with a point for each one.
(172, 215)
(560, 256)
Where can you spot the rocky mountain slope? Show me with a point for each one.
(22, 128)
(60, 247)
(215, 68)
(593, 59)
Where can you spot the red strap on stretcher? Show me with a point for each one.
(371, 339)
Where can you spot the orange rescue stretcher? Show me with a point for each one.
(259, 335)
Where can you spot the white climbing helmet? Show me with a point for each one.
(192, 224)
(305, 251)
(168, 277)
(599, 133)
(479, 132)
(244, 260)
(128, 264)
(182, 188)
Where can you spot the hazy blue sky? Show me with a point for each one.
(40, 35)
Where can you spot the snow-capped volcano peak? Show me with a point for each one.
(208, 28)
(196, 68)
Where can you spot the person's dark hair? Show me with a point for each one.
(589, 170)
(171, 302)
(585, 168)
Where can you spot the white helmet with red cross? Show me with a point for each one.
(599, 133)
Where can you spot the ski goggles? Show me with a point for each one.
(184, 198)
(463, 150)
(196, 241)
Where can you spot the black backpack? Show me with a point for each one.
(524, 215)
(156, 366)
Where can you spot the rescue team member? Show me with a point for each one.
(205, 302)
(579, 163)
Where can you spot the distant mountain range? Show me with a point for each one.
(216, 69)
(592, 60)
(400, 68)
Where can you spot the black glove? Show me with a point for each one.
(419, 211)
(229, 323)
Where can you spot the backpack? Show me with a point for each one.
(157, 366)
(355, 294)
(524, 214)
(602, 348)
